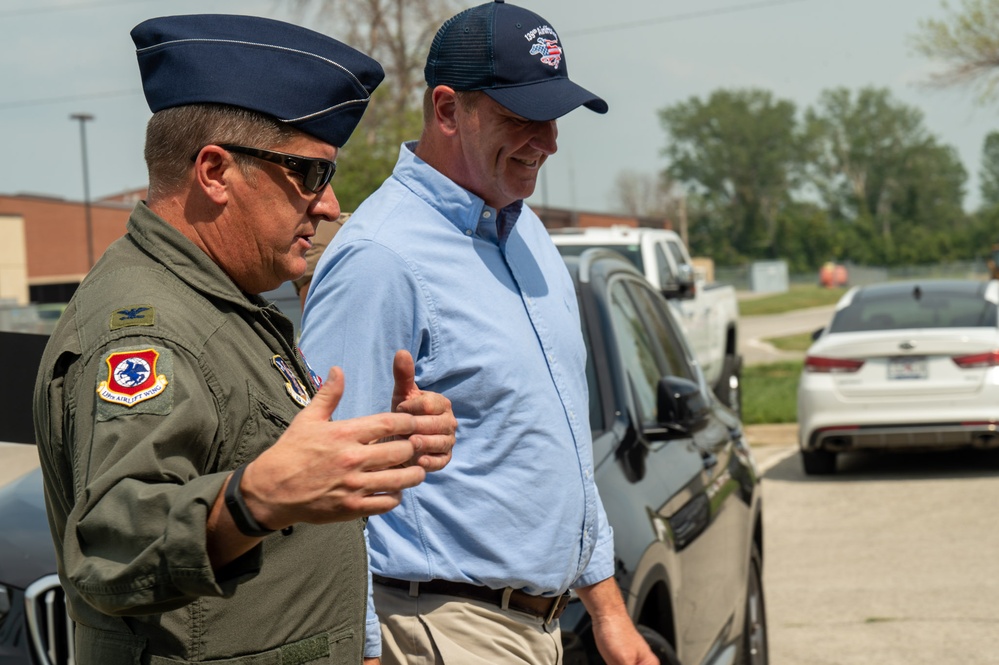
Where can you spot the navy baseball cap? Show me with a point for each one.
(300, 77)
(511, 54)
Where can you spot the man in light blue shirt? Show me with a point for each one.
(446, 261)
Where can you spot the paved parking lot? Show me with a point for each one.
(892, 561)
(16, 459)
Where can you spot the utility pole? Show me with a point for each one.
(682, 214)
(83, 118)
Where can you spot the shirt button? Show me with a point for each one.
(468, 232)
(486, 214)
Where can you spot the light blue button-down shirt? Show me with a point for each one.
(483, 301)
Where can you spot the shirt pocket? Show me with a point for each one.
(265, 422)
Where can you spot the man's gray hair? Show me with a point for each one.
(175, 135)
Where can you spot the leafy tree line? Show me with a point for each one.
(856, 177)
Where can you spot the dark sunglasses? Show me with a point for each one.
(316, 173)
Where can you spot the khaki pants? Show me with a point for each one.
(445, 630)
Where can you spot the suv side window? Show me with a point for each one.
(650, 305)
(636, 349)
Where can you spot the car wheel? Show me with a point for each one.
(660, 646)
(755, 647)
(818, 462)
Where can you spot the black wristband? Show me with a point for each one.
(241, 515)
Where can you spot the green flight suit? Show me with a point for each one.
(162, 377)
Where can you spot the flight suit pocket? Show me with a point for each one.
(60, 423)
(264, 425)
(108, 648)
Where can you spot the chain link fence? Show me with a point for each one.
(857, 275)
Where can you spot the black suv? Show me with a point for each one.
(673, 468)
(676, 477)
(34, 628)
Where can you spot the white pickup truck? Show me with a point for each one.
(709, 313)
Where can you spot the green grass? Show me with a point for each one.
(799, 342)
(799, 296)
(769, 393)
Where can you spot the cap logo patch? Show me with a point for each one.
(294, 387)
(132, 378)
(548, 49)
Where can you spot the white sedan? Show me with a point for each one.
(902, 365)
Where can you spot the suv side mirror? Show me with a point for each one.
(680, 403)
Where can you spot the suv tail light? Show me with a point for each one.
(987, 359)
(821, 364)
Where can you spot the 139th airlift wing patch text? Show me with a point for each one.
(135, 378)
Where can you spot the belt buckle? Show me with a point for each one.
(558, 604)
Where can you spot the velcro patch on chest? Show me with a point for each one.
(135, 381)
(296, 390)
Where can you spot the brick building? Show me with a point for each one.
(44, 246)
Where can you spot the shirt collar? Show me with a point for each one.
(463, 208)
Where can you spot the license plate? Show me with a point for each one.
(909, 367)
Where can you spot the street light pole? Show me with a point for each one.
(83, 118)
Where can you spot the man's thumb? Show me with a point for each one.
(325, 401)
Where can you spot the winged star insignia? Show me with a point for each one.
(294, 387)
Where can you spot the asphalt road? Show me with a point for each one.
(892, 561)
(754, 330)
(16, 459)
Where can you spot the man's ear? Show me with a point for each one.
(213, 167)
(445, 101)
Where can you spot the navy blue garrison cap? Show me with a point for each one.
(511, 54)
(300, 77)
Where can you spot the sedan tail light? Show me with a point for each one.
(832, 365)
(987, 359)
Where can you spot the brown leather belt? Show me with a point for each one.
(548, 609)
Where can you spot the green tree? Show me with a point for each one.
(806, 238)
(874, 163)
(396, 33)
(967, 43)
(988, 175)
(739, 152)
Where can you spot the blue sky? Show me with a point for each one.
(60, 57)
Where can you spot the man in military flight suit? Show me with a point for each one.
(204, 507)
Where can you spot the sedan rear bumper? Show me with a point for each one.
(928, 436)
